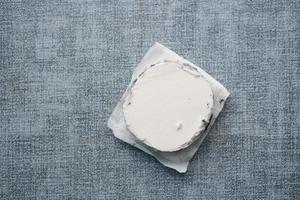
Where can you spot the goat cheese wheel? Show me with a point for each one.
(169, 105)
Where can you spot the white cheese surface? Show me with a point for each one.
(178, 160)
(169, 105)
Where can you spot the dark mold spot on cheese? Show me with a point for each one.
(206, 124)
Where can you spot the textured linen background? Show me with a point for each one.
(65, 64)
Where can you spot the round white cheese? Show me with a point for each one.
(169, 105)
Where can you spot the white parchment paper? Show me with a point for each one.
(178, 160)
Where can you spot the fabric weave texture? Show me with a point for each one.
(65, 64)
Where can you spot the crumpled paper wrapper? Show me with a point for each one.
(178, 160)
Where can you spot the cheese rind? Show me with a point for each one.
(169, 105)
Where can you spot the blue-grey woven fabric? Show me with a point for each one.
(65, 64)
